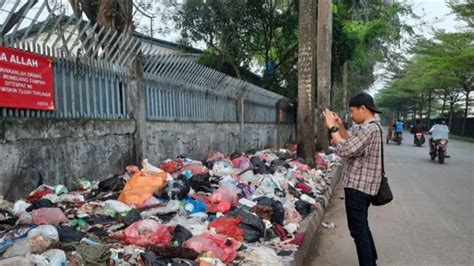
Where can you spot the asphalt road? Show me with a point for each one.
(429, 222)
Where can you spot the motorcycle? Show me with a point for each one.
(398, 138)
(439, 150)
(419, 139)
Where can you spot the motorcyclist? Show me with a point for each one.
(398, 126)
(418, 127)
(438, 131)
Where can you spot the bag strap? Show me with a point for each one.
(381, 145)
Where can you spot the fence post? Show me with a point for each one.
(240, 117)
(136, 103)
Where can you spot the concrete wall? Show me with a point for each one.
(165, 140)
(61, 150)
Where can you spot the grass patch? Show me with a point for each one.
(466, 139)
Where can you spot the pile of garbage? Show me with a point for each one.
(243, 209)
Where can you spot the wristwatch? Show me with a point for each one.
(333, 129)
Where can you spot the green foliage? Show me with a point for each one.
(240, 34)
(443, 66)
(243, 34)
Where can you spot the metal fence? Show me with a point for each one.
(90, 79)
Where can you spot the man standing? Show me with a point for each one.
(362, 170)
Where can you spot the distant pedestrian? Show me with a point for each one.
(362, 169)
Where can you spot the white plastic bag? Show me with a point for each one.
(116, 206)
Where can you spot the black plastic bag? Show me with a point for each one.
(260, 167)
(279, 162)
(154, 259)
(253, 227)
(175, 252)
(8, 218)
(293, 191)
(177, 189)
(181, 234)
(41, 203)
(99, 232)
(131, 217)
(114, 183)
(69, 234)
(201, 183)
(303, 207)
(278, 211)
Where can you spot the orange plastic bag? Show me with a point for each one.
(140, 188)
(228, 226)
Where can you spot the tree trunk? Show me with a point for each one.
(466, 109)
(306, 79)
(445, 98)
(413, 113)
(324, 41)
(451, 109)
(430, 99)
(345, 78)
(422, 101)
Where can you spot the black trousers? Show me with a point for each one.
(357, 206)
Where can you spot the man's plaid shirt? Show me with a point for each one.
(362, 169)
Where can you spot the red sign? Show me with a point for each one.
(26, 80)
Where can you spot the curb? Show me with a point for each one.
(310, 225)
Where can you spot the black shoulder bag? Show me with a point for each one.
(384, 195)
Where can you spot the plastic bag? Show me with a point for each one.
(299, 165)
(256, 256)
(141, 187)
(225, 194)
(303, 207)
(52, 216)
(39, 192)
(176, 189)
(229, 182)
(83, 184)
(145, 233)
(170, 166)
(38, 204)
(228, 226)
(224, 248)
(194, 206)
(195, 169)
(114, 183)
(72, 198)
(149, 169)
(222, 168)
(291, 228)
(252, 225)
(201, 183)
(278, 211)
(152, 201)
(242, 162)
(132, 169)
(171, 207)
(20, 207)
(56, 257)
(247, 177)
(116, 206)
(292, 216)
(41, 238)
(181, 234)
(68, 234)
